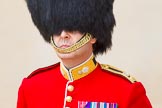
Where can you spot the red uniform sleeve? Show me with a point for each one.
(137, 97)
(21, 97)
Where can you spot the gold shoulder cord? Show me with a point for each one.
(119, 72)
(86, 38)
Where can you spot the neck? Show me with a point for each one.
(70, 63)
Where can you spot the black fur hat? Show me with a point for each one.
(92, 16)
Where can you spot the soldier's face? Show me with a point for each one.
(65, 39)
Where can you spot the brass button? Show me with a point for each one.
(70, 88)
(68, 98)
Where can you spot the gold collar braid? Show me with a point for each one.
(85, 39)
(79, 71)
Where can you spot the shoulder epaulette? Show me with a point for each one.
(118, 72)
(40, 70)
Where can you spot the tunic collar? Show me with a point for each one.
(79, 71)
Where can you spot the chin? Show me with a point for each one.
(67, 55)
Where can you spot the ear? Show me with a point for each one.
(93, 40)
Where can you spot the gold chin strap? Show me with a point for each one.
(85, 39)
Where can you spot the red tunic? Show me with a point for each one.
(48, 88)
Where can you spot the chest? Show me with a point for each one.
(58, 94)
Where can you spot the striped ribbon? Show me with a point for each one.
(82, 104)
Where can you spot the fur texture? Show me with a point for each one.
(92, 16)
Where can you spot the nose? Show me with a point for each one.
(65, 34)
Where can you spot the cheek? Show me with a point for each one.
(87, 48)
(56, 40)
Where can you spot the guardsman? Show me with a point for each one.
(78, 30)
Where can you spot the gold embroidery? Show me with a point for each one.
(119, 72)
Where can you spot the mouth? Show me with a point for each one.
(64, 46)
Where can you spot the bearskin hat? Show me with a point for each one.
(87, 16)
